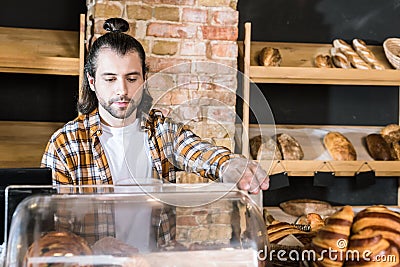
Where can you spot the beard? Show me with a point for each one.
(119, 112)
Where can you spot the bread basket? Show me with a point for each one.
(392, 51)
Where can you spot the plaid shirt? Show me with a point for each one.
(76, 156)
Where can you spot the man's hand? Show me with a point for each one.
(247, 174)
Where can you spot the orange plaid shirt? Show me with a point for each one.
(76, 156)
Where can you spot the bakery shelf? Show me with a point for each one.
(317, 158)
(22, 143)
(39, 51)
(297, 67)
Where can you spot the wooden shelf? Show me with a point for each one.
(316, 157)
(297, 67)
(38, 51)
(23, 142)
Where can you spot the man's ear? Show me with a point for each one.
(91, 81)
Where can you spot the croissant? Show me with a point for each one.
(368, 247)
(333, 235)
(382, 220)
(278, 230)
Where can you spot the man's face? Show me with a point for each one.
(118, 83)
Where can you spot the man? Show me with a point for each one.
(114, 137)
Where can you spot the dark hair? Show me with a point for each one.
(122, 44)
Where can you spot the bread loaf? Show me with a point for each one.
(339, 59)
(380, 219)
(323, 61)
(57, 244)
(366, 54)
(270, 56)
(372, 249)
(377, 147)
(339, 147)
(355, 60)
(391, 133)
(264, 148)
(330, 237)
(289, 147)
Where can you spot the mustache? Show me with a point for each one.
(119, 99)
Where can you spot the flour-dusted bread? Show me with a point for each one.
(264, 148)
(289, 147)
(270, 56)
(366, 54)
(377, 147)
(355, 60)
(391, 133)
(339, 147)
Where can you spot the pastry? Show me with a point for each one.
(377, 147)
(278, 230)
(315, 221)
(289, 147)
(323, 61)
(368, 247)
(339, 147)
(380, 219)
(270, 56)
(355, 60)
(339, 59)
(264, 148)
(57, 244)
(332, 236)
(366, 54)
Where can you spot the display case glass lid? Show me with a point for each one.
(147, 225)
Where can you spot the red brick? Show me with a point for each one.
(168, 30)
(193, 48)
(225, 18)
(171, 2)
(168, 65)
(224, 50)
(107, 10)
(220, 33)
(194, 15)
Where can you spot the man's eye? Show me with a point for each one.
(131, 80)
(109, 79)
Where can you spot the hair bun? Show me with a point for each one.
(116, 25)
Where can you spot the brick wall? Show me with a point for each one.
(177, 35)
(192, 57)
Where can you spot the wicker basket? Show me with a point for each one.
(392, 51)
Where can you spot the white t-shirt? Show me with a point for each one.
(128, 156)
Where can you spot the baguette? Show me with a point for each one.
(355, 60)
(339, 59)
(366, 54)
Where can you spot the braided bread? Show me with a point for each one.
(339, 59)
(329, 237)
(380, 219)
(371, 247)
(57, 244)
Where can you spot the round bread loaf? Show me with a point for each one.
(57, 244)
(289, 147)
(264, 148)
(270, 56)
(391, 133)
(377, 147)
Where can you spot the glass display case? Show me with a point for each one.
(148, 225)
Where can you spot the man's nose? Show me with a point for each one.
(121, 88)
